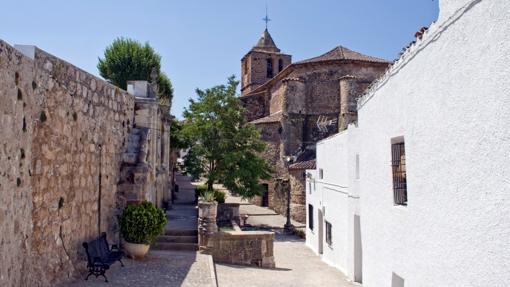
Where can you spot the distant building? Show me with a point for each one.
(296, 104)
(417, 193)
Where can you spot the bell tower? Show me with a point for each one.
(262, 63)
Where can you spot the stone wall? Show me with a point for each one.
(243, 248)
(232, 247)
(62, 134)
(256, 106)
(297, 195)
(16, 94)
(308, 93)
(227, 212)
(254, 68)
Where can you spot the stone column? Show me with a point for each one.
(207, 226)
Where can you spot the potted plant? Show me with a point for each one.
(140, 225)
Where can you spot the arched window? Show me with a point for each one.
(269, 73)
(280, 65)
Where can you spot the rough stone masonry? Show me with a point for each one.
(62, 131)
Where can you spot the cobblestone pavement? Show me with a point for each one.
(158, 268)
(296, 265)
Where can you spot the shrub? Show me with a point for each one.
(142, 223)
(201, 189)
(219, 196)
(210, 196)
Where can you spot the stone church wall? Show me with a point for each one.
(256, 106)
(61, 129)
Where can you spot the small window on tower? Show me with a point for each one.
(269, 73)
(280, 65)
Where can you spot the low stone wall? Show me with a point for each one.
(227, 212)
(243, 248)
(233, 247)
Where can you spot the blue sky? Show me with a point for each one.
(202, 42)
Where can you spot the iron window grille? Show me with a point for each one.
(398, 164)
(310, 216)
(329, 238)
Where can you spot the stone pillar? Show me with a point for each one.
(207, 226)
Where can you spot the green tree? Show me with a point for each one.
(226, 148)
(127, 59)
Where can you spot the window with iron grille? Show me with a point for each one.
(398, 164)
(310, 216)
(329, 238)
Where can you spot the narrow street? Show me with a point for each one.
(174, 261)
(296, 264)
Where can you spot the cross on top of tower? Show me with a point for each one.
(266, 19)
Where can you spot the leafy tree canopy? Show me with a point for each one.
(226, 148)
(126, 59)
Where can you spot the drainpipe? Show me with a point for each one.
(99, 192)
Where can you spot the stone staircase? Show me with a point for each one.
(177, 240)
(181, 232)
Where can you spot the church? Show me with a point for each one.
(294, 105)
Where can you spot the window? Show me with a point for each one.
(398, 164)
(329, 239)
(357, 166)
(269, 68)
(321, 173)
(280, 65)
(310, 216)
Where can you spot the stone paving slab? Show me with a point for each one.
(158, 268)
(296, 265)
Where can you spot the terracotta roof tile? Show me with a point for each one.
(342, 53)
(309, 164)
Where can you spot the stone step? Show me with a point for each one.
(182, 232)
(174, 246)
(177, 239)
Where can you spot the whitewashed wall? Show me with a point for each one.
(337, 196)
(450, 99)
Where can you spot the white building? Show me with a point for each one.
(419, 193)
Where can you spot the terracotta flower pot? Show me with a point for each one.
(135, 250)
